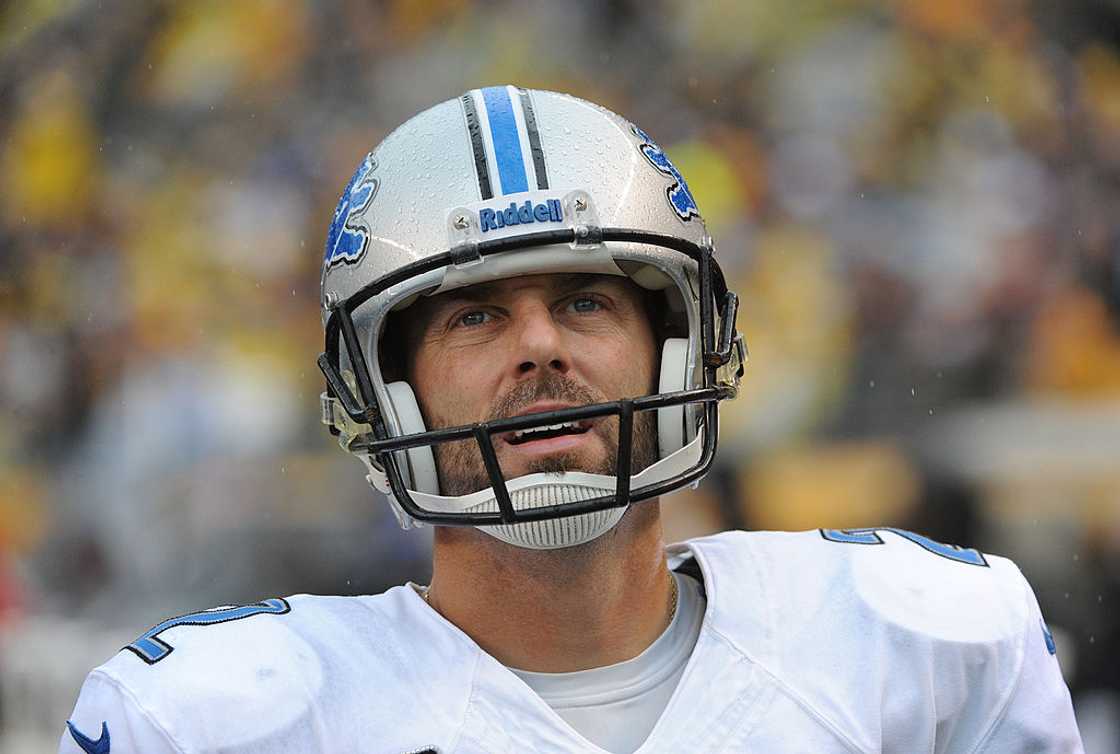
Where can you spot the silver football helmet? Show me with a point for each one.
(498, 183)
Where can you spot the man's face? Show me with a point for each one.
(529, 344)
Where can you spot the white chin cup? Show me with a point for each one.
(541, 489)
(554, 533)
(674, 433)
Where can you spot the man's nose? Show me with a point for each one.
(541, 343)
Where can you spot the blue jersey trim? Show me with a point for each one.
(100, 746)
(151, 648)
(1051, 647)
(507, 142)
(871, 536)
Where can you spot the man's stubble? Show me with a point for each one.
(460, 465)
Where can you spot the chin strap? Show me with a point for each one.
(730, 374)
(379, 481)
(334, 416)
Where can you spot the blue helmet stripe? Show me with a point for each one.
(507, 142)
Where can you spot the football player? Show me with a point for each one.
(528, 338)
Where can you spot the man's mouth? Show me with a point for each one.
(547, 432)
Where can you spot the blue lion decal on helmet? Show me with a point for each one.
(680, 198)
(348, 237)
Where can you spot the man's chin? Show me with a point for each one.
(558, 463)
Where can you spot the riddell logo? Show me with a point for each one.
(548, 212)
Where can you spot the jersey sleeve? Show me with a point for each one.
(1039, 714)
(108, 718)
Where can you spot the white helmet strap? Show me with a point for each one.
(419, 467)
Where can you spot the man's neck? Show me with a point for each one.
(555, 611)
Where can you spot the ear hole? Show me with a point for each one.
(420, 463)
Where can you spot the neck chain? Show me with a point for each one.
(673, 604)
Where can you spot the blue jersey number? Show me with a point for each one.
(871, 537)
(151, 649)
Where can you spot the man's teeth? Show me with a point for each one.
(522, 433)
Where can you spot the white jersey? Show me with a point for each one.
(822, 642)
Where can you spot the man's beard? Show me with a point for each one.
(462, 471)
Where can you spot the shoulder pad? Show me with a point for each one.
(920, 585)
(245, 677)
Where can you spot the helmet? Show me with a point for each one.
(498, 183)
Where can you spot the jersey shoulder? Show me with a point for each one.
(883, 576)
(226, 641)
(276, 669)
(843, 620)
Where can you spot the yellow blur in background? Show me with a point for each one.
(915, 200)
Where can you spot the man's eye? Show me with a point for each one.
(585, 304)
(473, 319)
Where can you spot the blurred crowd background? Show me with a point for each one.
(918, 202)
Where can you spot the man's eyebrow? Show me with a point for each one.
(437, 306)
(476, 292)
(580, 280)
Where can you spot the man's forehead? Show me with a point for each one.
(554, 283)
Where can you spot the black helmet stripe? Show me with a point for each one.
(534, 139)
(475, 130)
